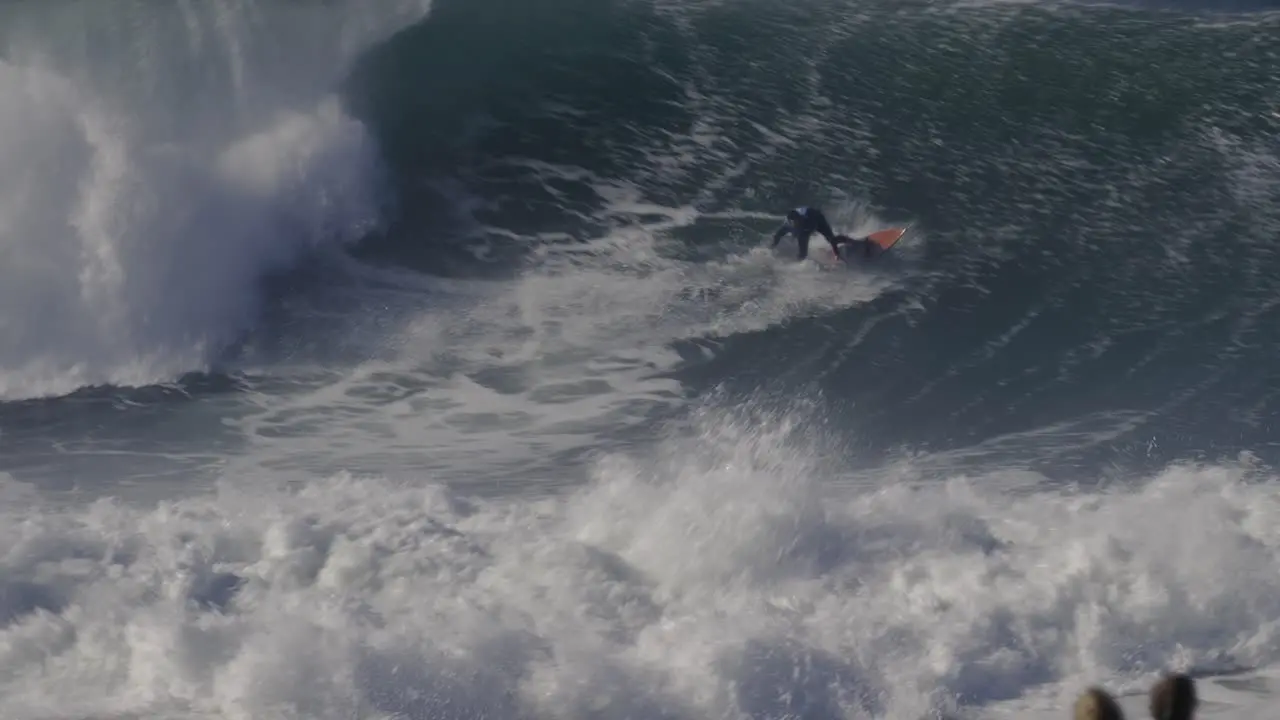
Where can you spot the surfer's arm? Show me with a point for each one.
(780, 232)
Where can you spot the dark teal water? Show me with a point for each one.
(1089, 280)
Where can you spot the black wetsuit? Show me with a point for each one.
(803, 222)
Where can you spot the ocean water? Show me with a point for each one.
(410, 359)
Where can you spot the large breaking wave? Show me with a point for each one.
(512, 415)
(161, 162)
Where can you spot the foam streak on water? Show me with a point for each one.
(483, 377)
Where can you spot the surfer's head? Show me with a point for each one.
(793, 216)
(1097, 704)
(1173, 697)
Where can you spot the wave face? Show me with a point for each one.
(395, 360)
(1094, 204)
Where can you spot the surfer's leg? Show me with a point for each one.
(854, 243)
(802, 240)
(833, 240)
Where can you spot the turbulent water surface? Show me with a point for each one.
(428, 360)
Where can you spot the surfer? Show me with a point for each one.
(804, 221)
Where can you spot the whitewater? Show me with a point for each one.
(411, 359)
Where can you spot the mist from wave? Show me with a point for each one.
(170, 158)
(735, 569)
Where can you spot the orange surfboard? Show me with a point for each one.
(888, 237)
(884, 239)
